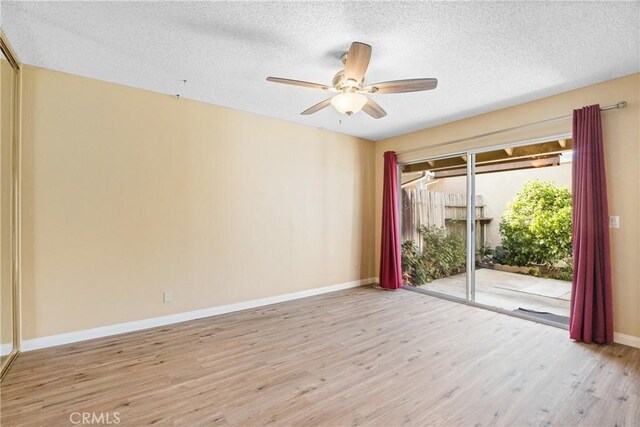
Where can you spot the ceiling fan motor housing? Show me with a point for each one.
(338, 79)
(340, 82)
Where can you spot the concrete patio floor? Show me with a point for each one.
(510, 291)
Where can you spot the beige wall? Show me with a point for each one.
(622, 156)
(499, 188)
(127, 193)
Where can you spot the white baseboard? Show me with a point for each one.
(625, 339)
(6, 349)
(137, 325)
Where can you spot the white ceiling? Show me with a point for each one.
(486, 55)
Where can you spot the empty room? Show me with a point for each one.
(320, 213)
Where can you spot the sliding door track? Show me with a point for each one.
(519, 314)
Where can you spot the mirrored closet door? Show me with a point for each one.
(8, 205)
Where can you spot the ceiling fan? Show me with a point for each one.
(350, 86)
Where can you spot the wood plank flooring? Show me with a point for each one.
(355, 357)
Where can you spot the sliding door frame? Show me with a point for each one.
(471, 227)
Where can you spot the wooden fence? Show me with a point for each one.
(444, 210)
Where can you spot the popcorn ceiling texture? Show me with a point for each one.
(486, 55)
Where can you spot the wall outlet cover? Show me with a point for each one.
(167, 297)
(614, 222)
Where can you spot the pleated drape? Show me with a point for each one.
(390, 256)
(591, 318)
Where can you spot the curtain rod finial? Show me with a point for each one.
(621, 105)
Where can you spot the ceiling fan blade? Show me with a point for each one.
(319, 106)
(298, 83)
(357, 61)
(399, 86)
(373, 109)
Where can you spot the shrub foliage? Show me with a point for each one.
(442, 255)
(536, 227)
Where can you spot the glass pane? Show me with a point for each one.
(434, 212)
(7, 85)
(524, 244)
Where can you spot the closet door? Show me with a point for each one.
(8, 214)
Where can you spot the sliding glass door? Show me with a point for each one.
(492, 228)
(524, 258)
(434, 226)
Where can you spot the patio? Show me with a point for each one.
(510, 291)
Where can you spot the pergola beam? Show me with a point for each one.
(509, 153)
(501, 167)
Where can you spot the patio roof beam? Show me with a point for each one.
(501, 167)
(495, 156)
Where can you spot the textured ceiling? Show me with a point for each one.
(486, 55)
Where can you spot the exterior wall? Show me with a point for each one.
(499, 188)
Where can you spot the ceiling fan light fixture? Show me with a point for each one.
(349, 102)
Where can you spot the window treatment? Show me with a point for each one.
(591, 316)
(390, 262)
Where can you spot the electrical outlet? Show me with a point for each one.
(614, 222)
(167, 297)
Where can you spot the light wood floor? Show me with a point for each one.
(355, 357)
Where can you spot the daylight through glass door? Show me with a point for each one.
(517, 219)
(524, 255)
(434, 228)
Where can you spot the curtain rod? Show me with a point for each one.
(619, 106)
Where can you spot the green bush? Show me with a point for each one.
(536, 227)
(442, 255)
(564, 274)
(499, 255)
(413, 270)
(486, 252)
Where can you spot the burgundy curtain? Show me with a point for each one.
(591, 318)
(390, 263)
